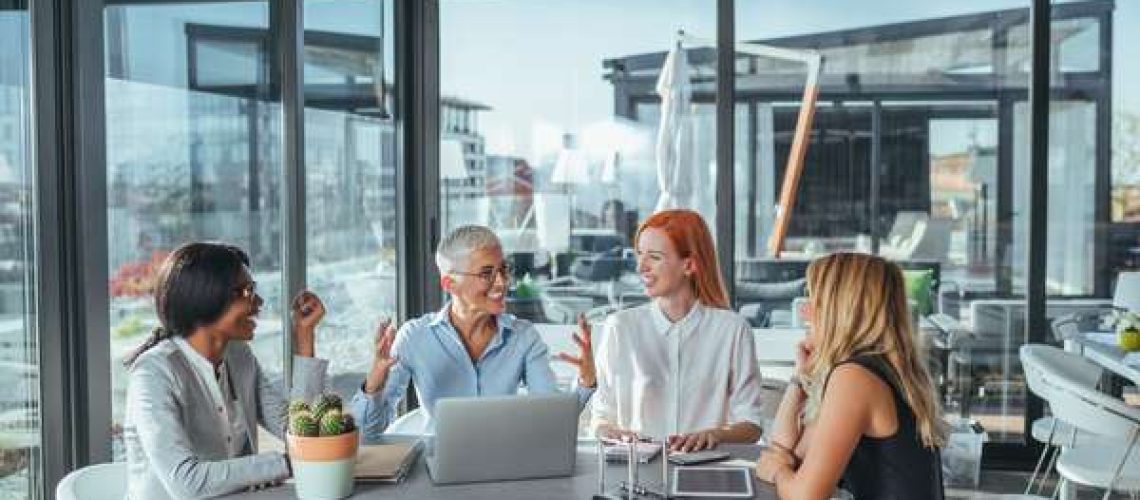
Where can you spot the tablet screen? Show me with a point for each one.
(712, 481)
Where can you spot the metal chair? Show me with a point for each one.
(1050, 431)
(1107, 464)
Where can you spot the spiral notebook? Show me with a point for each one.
(386, 463)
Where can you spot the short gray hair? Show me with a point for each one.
(460, 243)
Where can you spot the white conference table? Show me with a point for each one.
(1101, 348)
(582, 484)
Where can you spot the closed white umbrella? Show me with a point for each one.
(674, 133)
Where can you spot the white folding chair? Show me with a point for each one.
(94, 482)
(1112, 466)
(1051, 432)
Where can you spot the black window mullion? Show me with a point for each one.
(289, 52)
(726, 142)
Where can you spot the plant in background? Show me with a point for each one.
(136, 279)
(1127, 330)
(129, 327)
(527, 288)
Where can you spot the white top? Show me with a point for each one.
(659, 378)
(217, 381)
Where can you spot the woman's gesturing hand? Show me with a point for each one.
(587, 372)
(382, 359)
(307, 310)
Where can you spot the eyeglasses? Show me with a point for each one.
(488, 274)
(247, 291)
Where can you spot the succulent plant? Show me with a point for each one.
(326, 403)
(349, 422)
(298, 405)
(303, 424)
(332, 423)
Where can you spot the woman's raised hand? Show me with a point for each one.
(307, 310)
(382, 359)
(587, 372)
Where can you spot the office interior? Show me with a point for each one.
(990, 148)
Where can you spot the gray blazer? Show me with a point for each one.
(174, 447)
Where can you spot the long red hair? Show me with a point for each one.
(692, 239)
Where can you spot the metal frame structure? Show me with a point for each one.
(633, 78)
(814, 63)
(68, 144)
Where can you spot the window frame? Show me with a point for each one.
(68, 149)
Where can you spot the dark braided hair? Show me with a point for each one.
(194, 286)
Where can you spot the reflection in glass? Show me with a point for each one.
(541, 141)
(555, 157)
(918, 153)
(1094, 168)
(350, 179)
(193, 153)
(20, 464)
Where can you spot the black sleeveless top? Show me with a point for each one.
(897, 467)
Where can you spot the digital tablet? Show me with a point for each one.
(725, 482)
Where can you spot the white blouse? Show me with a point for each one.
(231, 419)
(660, 378)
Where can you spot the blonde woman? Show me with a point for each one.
(860, 413)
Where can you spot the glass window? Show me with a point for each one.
(1110, 147)
(912, 153)
(20, 466)
(549, 137)
(1094, 167)
(350, 172)
(552, 142)
(193, 153)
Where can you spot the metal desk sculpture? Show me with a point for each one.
(631, 487)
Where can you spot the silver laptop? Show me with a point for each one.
(503, 438)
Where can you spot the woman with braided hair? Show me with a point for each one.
(197, 393)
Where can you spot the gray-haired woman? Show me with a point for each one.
(470, 347)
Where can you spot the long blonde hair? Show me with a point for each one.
(860, 308)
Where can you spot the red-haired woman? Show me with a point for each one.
(682, 366)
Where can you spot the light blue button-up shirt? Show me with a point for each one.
(429, 352)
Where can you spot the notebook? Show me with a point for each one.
(386, 463)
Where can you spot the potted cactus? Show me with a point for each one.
(322, 440)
